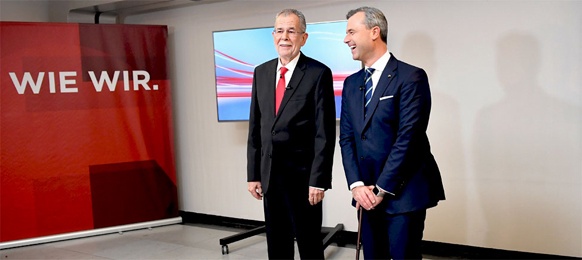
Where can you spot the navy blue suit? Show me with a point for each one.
(389, 148)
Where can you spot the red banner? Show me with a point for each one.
(86, 134)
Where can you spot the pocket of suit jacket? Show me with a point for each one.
(386, 109)
(386, 97)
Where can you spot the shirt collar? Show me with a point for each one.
(381, 62)
(290, 66)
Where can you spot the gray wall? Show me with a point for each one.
(506, 124)
(24, 11)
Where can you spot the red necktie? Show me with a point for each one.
(280, 89)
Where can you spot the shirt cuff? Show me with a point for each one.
(384, 191)
(317, 188)
(356, 184)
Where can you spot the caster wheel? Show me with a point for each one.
(225, 250)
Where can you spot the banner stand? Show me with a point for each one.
(88, 233)
(86, 131)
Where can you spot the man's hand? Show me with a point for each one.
(365, 197)
(256, 189)
(315, 195)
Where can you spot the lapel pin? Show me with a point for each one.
(390, 75)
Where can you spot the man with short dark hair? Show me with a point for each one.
(386, 154)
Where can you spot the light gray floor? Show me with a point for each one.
(167, 242)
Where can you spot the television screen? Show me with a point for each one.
(238, 52)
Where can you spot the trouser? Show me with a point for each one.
(289, 215)
(392, 236)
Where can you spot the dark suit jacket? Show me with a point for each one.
(300, 139)
(390, 147)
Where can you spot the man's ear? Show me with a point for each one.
(305, 35)
(375, 32)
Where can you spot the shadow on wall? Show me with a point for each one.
(527, 150)
(444, 132)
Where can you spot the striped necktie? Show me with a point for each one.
(368, 80)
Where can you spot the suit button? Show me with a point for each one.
(270, 156)
(363, 137)
(273, 133)
(361, 157)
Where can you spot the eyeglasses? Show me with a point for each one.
(291, 32)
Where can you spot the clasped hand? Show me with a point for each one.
(365, 197)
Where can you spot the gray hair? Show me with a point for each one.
(302, 23)
(374, 17)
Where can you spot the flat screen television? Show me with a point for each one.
(238, 52)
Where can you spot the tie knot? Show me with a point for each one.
(369, 72)
(283, 70)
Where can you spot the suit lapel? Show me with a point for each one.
(388, 74)
(269, 95)
(362, 88)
